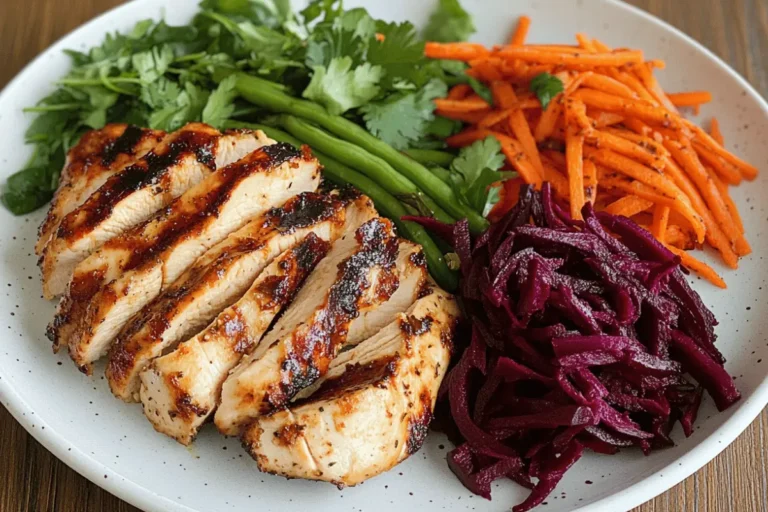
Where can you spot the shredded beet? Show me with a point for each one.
(581, 332)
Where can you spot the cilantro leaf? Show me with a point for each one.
(340, 88)
(475, 170)
(403, 119)
(546, 87)
(220, 103)
(272, 13)
(449, 22)
(188, 106)
(152, 64)
(400, 53)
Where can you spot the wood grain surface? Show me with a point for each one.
(31, 479)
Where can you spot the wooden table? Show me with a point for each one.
(31, 479)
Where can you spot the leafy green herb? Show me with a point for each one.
(546, 87)
(339, 87)
(480, 89)
(450, 22)
(221, 103)
(475, 170)
(403, 119)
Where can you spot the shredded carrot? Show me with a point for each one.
(714, 131)
(689, 99)
(660, 222)
(613, 137)
(699, 267)
(629, 206)
(521, 32)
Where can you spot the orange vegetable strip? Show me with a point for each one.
(714, 234)
(660, 222)
(726, 170)
(699, 267)
(677, 237)
(485, 71)
(518, 159)
(684, 155)
(585, 43)
(618, 58)
(455, 51)
(556, 178)
(467, 137)
(468, 117)
(646, 192)
(548, 119)
(459, 92)
(656, 64)
(747, 170)
(576, 114)
(723, 188)
(494, 117)
(604, 119)
(636, 108)
(628, 206)
(465, 105)
(521, 31)
(590, 181)
(600, 46)
(642, 153)
(574, 158)
(503, 95)
(633, 83)
(714, 131)
(557, 158)
(652, 85)
(518, 124)
(608, 85)
(636, 171)
(646, 142)
(689, 99)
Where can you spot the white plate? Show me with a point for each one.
(114, 446)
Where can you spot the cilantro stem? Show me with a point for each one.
(430, 156)
(385, 202)
(259, 92)
(54, 108)
(77, 82)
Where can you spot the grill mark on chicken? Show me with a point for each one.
(125, 144)
(287, 435)
(157, 314)
(310, 352)
(374, 373)
(99, 153)
(418, 424)
(150, 171)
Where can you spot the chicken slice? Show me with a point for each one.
(373, 408)
(166, 245)
(133, 195)
(357, 275)
(98, 155)
(180, 390)
(206, 289)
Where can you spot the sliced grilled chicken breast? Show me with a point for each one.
(180, 390)
(170, 242)
(133, 195)
(206, 289)
(98, 155)
(358, 274)
(373, 408)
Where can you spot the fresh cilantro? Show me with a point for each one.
(400, 52)
(546, 87)
(152, 64)
(403, 119)
(480, 89)
(272, 13)
(220, 105)
(340, 88)
(448, 23)
(475, 170)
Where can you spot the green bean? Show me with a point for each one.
(260, 92)
(385, 202)
(441, 173)
(358, 158)
(430, 156)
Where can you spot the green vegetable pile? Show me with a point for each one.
(358, 90)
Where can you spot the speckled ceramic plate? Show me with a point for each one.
(114, 446)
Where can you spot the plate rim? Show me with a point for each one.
(640, 492)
